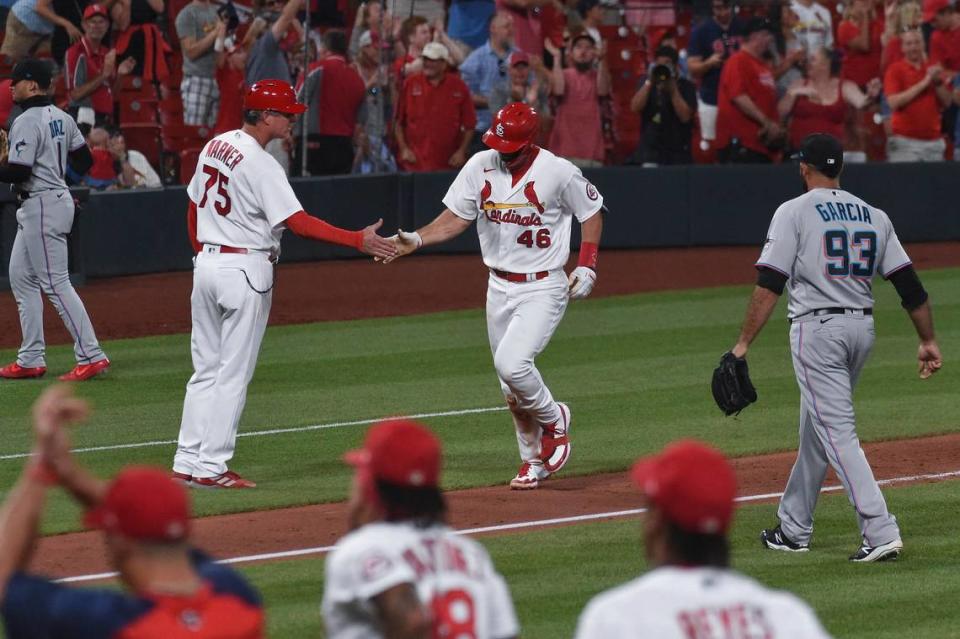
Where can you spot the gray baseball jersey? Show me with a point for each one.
(41, 137)
(830, 243)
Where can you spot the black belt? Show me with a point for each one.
(835, 310)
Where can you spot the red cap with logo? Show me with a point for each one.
(95, 10)
(143, 503)
(400, 452)
(692, 484)
(513, 127)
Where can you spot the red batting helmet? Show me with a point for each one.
(272, 95)
(513, 127)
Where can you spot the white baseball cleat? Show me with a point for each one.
(883, 552)
(555, 441)
(529, 476)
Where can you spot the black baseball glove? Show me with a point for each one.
(732, 389)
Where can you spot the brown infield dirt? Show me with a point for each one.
(136, 306)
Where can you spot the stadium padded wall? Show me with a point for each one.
(144, 231)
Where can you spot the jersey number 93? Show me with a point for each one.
(846, 255)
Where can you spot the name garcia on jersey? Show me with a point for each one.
(843, 212)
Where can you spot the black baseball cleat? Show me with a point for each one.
(774, 539)
(883, 552)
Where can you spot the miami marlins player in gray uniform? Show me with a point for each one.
(828, 245)
(41, 140)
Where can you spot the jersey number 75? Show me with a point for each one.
(221, 180)
(847, 255)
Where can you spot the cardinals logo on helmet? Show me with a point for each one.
(500, 129)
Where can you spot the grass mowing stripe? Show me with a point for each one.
(286, 554)
(277, 431)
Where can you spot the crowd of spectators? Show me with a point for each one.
(411, 85)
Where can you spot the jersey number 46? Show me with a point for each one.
(847, 255)
(214, 176)
(541, 240)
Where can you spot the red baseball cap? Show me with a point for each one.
(95, 10)
(519, 57)
(401, 452)
(143, 503)
(691, 483)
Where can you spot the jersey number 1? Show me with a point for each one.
(838, 248)
(221, 180)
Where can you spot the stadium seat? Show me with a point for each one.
(137, 110)
(144, 138)
(188, 164)
(135, 85)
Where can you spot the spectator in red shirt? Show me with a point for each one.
(414, 35)
(92, 69)
(945, 41)
(578, 127)
(858, 36)
(900, 17)
(818, 103)
(527, 26)
(334, 93)
(435, 116)
(916, 91)
(748, 126)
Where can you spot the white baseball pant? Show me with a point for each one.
(230, 304)
(521, 319)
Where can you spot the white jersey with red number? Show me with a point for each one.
(523, 227)
(453, 575)
(697, 603)
(242, 194)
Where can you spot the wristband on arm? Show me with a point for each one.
(589, 252)
(313, 228)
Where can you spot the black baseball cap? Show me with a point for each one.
(823, 152)
(32, 69)
(757, 23)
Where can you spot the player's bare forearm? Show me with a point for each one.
(444, 227)
(19, 519)
(592, 229)
(761, 306)
(922, 318)
(401, 614)
(77, 480)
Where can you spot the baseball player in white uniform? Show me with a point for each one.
(42, 139)
(692, 593)
(523, 199)
(240, 204)
(402, 572)
(827, 246)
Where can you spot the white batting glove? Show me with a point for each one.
(407, 242)
(581, 282)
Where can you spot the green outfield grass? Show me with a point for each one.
(553, 573)
(634, 369)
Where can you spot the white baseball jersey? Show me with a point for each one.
(242, 194)
(697, 603)
(830, 244)
(453, 575)
(814, 28)
(523, 227)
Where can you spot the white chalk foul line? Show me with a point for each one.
(319, 550)
(276, 431)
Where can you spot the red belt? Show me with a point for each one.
(520, 277)
(233, 249)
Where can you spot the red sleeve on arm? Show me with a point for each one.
(313, 228)
(192, 228)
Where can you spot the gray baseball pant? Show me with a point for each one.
(39, 263)
(829, 352)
